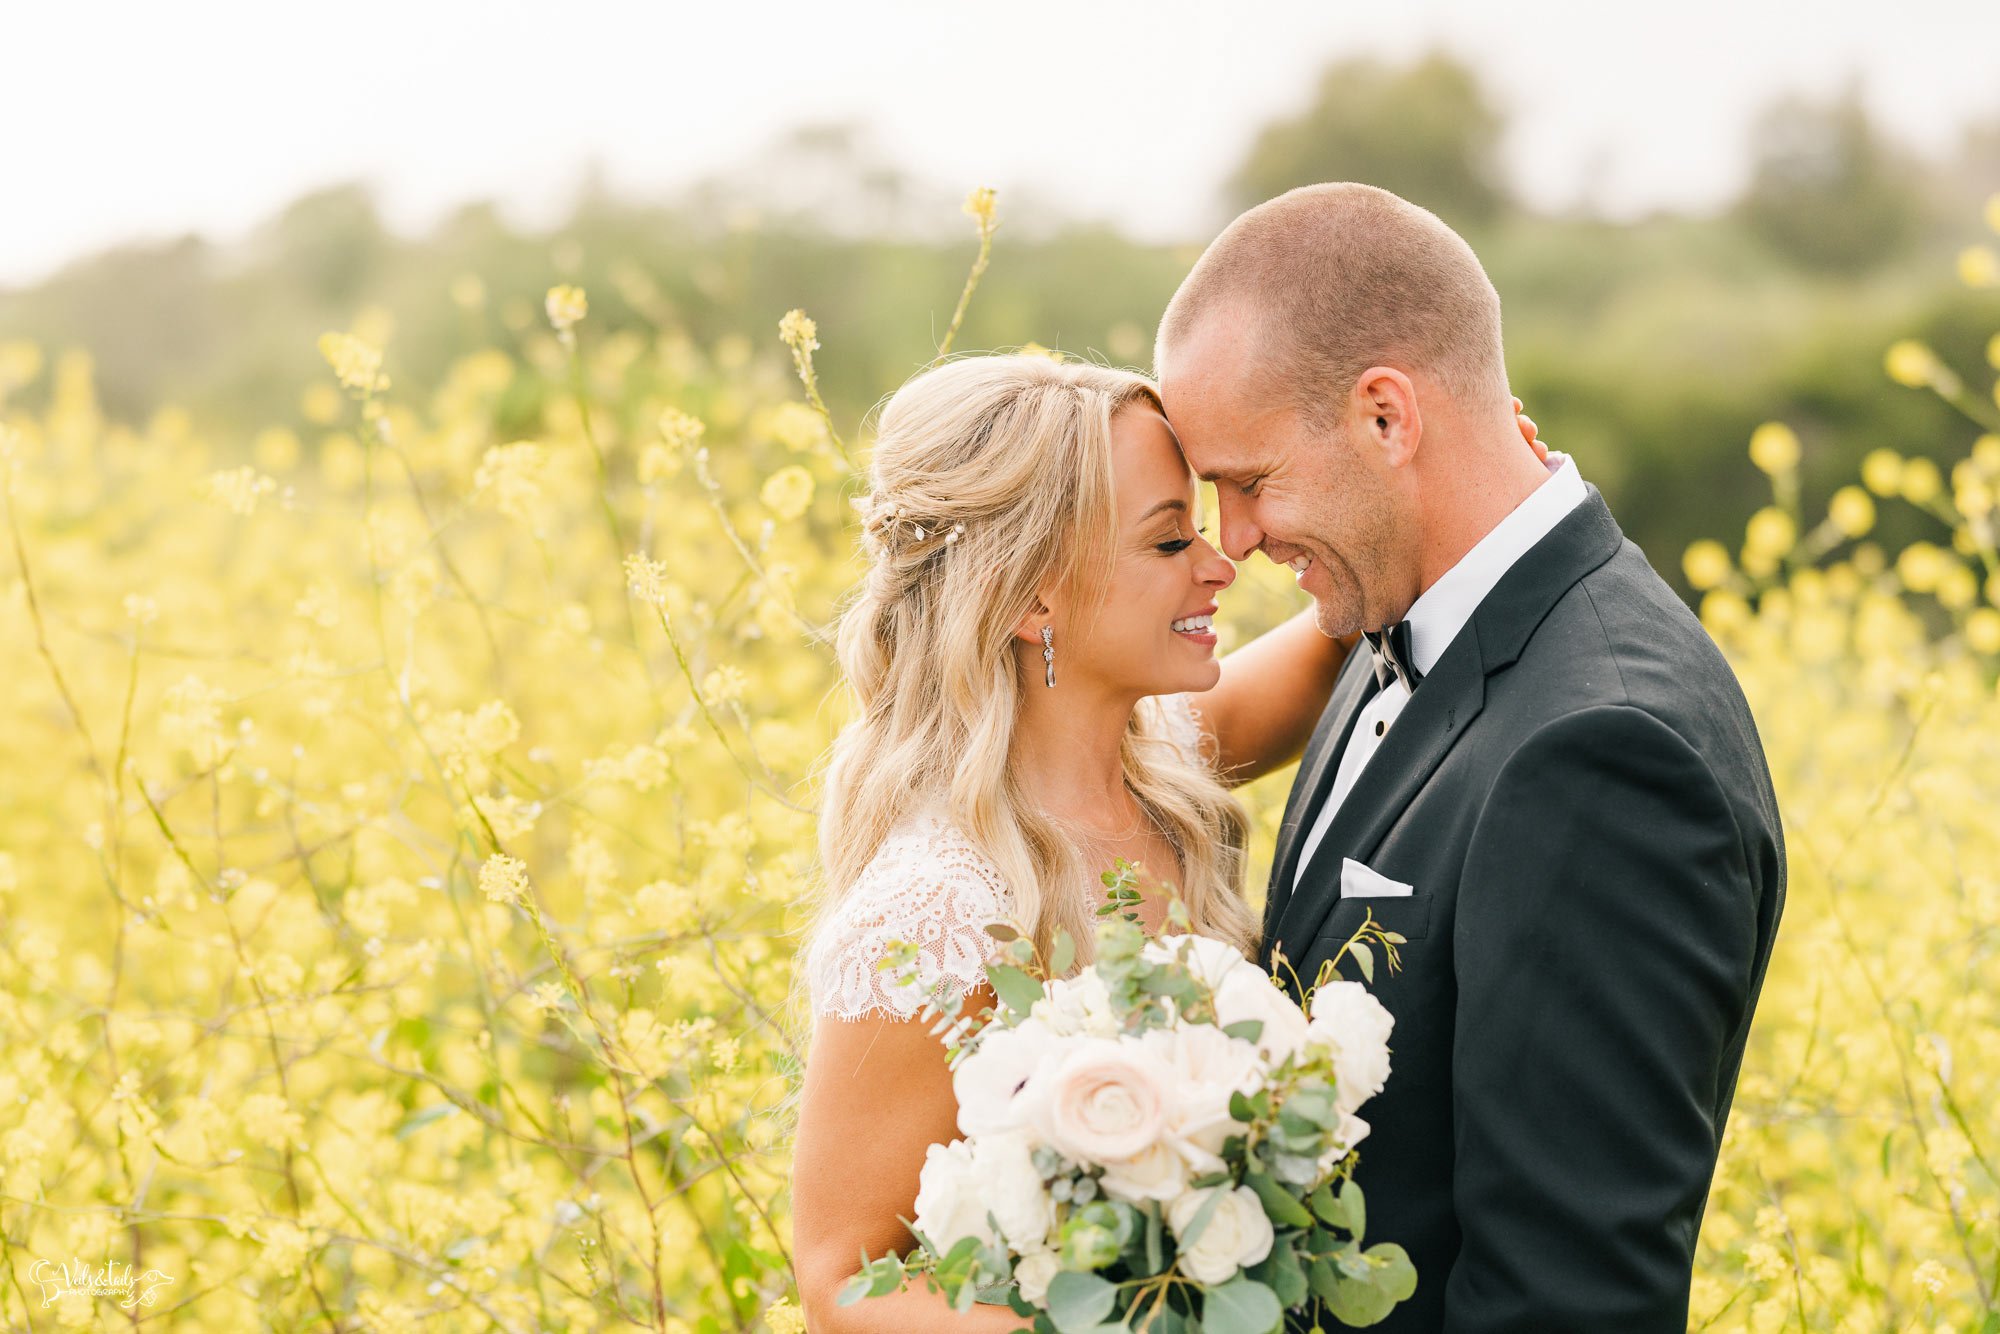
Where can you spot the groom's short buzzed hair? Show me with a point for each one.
(1342, 277)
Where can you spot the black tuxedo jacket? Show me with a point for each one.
(1579, 798)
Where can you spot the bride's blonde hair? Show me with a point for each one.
(991, 478)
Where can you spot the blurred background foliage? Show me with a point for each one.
(1649, 348)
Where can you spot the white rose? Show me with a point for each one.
(1208, 1066)
(1160, 1173)
(1354, 1027)
(948, 1203)
(1208, 959)
(1013, 1189)
(1033, 1273)
(988, 1080)
(1080, 1004)
(1238, 1233)
(1105, 1103)
(1249, 994)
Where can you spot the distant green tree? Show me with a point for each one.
(1425, 131)
(1827, 190)
(332, 241)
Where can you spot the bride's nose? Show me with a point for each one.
(1217, 570)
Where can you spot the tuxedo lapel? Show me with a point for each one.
(1440, 711)
(1355, 687)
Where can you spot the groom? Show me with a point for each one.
(1541, 773)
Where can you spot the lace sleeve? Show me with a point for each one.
(929, 886)
(1182, 722)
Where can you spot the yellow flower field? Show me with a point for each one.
(405, 832)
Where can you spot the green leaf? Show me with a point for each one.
(1366, 958)
(1345, 1210)
(417, 1121)
(1357, 1208)
(1192, 1233)
(1155, 1259)
(1247, 1029)
(1283, 1274)
(1357, 1302)
(1394, 1273)
(1283, 1207)
(1079, 1302)
(1001, 931)
(1062, 954)
(1241, 1306)
(1015, 988)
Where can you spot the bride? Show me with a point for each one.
(1034, 663)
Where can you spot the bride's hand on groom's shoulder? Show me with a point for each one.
(1529, 432)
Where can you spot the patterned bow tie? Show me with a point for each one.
(1393, 655)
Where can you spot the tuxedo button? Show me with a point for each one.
(1381, 726)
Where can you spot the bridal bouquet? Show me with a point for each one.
(1161, 1143)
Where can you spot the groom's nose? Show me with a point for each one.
(1239, 535)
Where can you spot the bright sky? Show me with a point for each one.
(145, 120)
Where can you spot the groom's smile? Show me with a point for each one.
(1281, 483)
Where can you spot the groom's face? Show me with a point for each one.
(1308, 495)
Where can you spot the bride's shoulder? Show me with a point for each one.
(927, 856)
(927, 885)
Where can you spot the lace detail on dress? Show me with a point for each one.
(1181, 721)
(927, 885)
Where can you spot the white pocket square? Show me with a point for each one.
(1361, 882)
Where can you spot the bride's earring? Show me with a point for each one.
(1049, 654)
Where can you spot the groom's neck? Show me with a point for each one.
(1466, 486)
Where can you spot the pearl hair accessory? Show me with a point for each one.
(883, 517)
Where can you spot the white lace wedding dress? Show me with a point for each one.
(930, 886)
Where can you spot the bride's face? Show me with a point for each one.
(1166, 574)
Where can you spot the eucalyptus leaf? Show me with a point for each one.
(1283, 1274)
(1014, 987)
(1079, 1302)
(1248, 1029)
(1358, 1303)
(1394, 1273)
(1199, 1222)
(1357, 1208)
(1241, 1306)
(1282, 1206)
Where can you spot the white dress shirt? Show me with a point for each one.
(1436, 618)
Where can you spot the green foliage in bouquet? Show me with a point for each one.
(1121, 1261)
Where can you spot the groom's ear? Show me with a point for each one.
(1385, 401)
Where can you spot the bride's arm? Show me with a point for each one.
(877, 1095)
(1273, 689)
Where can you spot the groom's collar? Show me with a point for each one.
(1436, 617)
(1584, 539)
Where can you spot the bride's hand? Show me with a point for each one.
(1527, 425)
